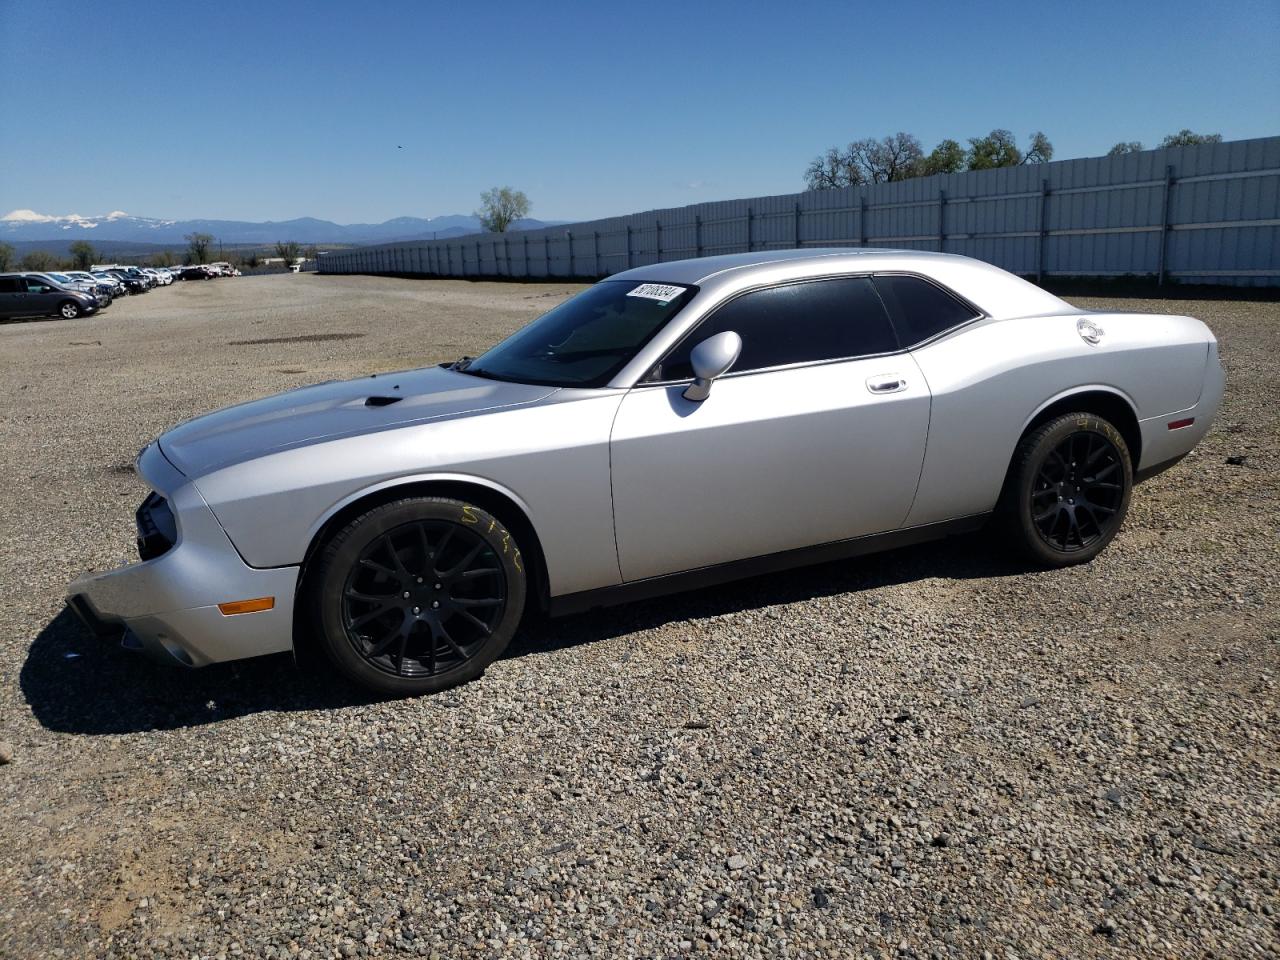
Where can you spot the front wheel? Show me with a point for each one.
(1068, 490)
(418, 595)
(69, 310)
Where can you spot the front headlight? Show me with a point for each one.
(157, 529)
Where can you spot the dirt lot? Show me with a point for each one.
(928, 753)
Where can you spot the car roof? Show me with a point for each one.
(996, 292)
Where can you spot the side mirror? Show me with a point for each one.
(711, 359)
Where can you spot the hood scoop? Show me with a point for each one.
(381, 401)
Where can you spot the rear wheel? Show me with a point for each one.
(1068, 489)
(418, 595)
(68, 310)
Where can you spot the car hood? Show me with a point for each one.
(336, 409)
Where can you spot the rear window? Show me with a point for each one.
(920, 309)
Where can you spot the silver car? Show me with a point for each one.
(672, 426)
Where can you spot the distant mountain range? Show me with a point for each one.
(27, 226)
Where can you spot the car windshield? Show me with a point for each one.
(60, 277)
(586, 340)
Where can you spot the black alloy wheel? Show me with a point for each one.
(423, 598)
(1068, 489)
(417, 595)
(1078, 491)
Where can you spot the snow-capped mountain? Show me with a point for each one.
(28, 225)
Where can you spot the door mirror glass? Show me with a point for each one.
(710, 360)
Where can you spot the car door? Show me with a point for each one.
(11, 289)
(41, 298)
(817, 434)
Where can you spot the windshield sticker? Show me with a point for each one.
(662, 292)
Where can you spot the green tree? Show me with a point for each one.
(198, 247)
(501, 207)
(252, 260)
(996, 149)
(162, 259)
(288, 252)
(39, 261)
(1125, 146)
(83, 255)
(1185, 138)
(947, 157)
(7, 255)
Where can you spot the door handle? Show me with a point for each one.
(886, 383)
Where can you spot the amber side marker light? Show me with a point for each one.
(1179, 424)
(247, 606)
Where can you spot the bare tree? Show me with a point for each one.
(198, 246)
(501, 207)
(1040, 151)
(39, 260)
(895, 157)
(1125, 146)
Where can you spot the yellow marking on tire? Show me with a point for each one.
(467, 515)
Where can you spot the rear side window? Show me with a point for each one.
(10, 285)
(920, 309)
(795, 323)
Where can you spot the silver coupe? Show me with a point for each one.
(672, 426)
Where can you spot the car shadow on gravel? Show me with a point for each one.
(76, 683)
(956, 558)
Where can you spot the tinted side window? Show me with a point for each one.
(37, 286)
(10, 285)
(919, 309)
(793, 323)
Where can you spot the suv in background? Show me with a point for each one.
(134, 279)
(36, 295)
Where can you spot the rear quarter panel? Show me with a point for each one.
(990, 380)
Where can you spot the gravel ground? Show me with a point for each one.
(931, 752)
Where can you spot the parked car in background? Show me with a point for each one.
(110, 285)
(673, 426)
(198, 271)
(162, 277)
(121, 288)
(93, 287)
(134, 283)
(37, 295)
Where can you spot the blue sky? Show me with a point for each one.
(358, 112)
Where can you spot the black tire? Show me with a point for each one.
(68, 309)
(1068, 490)
(466, 585)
